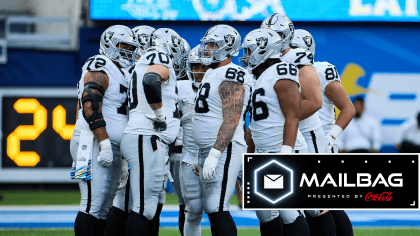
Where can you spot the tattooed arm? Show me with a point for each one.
(232, 95)
(102, 79)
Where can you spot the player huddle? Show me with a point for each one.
(139, 125)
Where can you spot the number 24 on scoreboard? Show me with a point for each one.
(31, 132)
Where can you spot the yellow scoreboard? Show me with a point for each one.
(36, 125)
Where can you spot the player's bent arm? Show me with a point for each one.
(232, 95)
(290, 103)
(311, 91)
(96, 83)
(153, 78)
(249, 141)
(336, 93)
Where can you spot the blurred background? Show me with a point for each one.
(44, 44)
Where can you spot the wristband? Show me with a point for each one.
(286, 149)
(160, 114)
(335, 131)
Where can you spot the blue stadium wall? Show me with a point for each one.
(382, 62)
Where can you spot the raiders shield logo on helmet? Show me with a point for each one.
(176, 41)
(143, 39)
(230, 40)
(108, 35)
(262, 42)
(291, 28)
(308, 40)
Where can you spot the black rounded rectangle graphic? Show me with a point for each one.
(331, 181)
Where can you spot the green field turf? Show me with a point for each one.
(206, 232)
(44, 197)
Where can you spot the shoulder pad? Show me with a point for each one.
(98, 63)
(282, 70)
(327, 73)
(299, 57)
(155, 57)
(232, 73)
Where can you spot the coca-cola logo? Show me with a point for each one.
(380, 197)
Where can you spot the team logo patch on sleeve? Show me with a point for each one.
(230, 40)
(308, 40)
(262, 42)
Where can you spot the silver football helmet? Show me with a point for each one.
(282, 25)
(143, 33)
(303, 39)
(170, 42)
(181, 70)
(260, 45)
(218, 44)
(193, 58)
(110, 45)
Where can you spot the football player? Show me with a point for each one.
(333, 95)
(276, 105)
(153, 124)
(103, 115)
(190, 187)
(176, 153)
(310, 124)
(123, 200)
(218, 124)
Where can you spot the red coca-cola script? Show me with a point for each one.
(380, 197)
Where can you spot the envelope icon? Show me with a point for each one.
(273, 181)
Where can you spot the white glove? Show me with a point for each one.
(286, 149)
(331, 141)
(209, 167)
(158, 124)
(331, 137)
(124, 174)
(168, 172)
(195, 167)
(105, 156)
(159, 121)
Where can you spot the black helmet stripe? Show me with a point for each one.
(271, 19)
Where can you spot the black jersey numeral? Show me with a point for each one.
(201, 99)
(98, 64)
(132, 92)
(123, 108)
(260, 106)
(163, 58)
(331, 73)
(233, 73)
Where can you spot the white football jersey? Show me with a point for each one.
(298, 56)
(138, 123)
(301, 57)
(267, 119)
(114, 105)
(186, 97)
(327, 73)
(208, 105)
